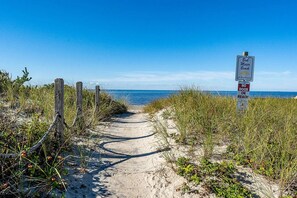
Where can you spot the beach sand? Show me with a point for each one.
(126, 161)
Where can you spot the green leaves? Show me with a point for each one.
(7, 83)
(228, 188)
(217, 177)
(19, 81)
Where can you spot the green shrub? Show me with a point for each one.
(217, 177)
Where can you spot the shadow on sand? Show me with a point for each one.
(89, 184)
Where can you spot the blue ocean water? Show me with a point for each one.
(140, 97)
(143, 97)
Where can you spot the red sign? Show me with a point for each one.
(243, 90)
(244, 87)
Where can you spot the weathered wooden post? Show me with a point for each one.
(79, 120)
(97, 98)
(79, 98)
(59, 108)
(244, 75)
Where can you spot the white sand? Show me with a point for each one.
(126, 163)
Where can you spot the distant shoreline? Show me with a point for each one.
(176, 90)
(144, 97)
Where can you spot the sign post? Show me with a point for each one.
(243, 95)
(244, 75)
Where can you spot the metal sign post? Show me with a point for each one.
(243, 95)
(244, 75)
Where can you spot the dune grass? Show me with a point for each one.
(26, 113)
(263, 138)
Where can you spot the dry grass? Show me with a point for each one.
(40, 173)
(263, 138)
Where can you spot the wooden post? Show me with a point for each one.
(79, 120)
(79, 99)
(97, 98)
(59, 108)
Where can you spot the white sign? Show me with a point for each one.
(242, 104)
(243, 95)
(245, 68)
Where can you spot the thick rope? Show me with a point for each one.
(36, 146)
(40, 142)
(74, 121)
(93, 118)
(80, 116)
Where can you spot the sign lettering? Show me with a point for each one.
(245, 68)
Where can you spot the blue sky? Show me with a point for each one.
(150, 44)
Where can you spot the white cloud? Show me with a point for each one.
(167, 76)
(206, 80)
(274, 74)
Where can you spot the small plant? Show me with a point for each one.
(182, 161)
(217, 177)
(166, 114)
(228, 188)
(10, 87)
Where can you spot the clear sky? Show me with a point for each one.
(150, 44)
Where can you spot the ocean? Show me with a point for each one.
(143, 97)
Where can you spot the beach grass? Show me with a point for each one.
(26, 114)
(263, 137)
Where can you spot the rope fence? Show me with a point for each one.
(59, 121)
(36, 146)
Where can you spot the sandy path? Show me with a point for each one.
(130, 149)
(125, 162)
